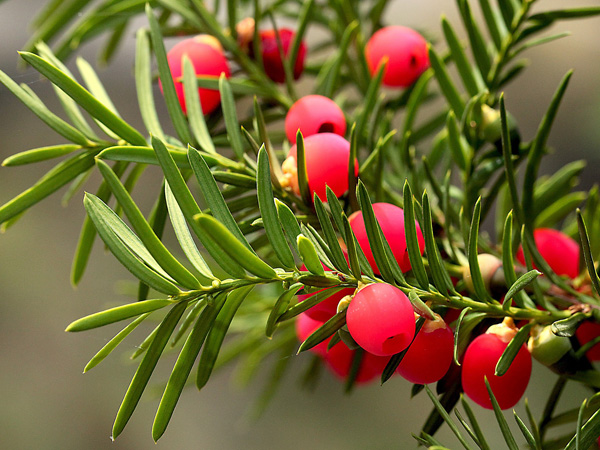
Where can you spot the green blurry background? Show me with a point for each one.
(46, 401)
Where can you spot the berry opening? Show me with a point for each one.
(326, 127)
(314, 114)
(405, 51)
(390, 345)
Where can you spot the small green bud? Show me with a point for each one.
(488, 265)
(344, 303)
(547, 347)
(490, 129)
(309, 256)
(343, 332)
(347, 338)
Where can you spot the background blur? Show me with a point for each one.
(46, 401)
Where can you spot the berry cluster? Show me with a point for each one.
(312, 115)
(381, 320)
(563, 255)
(380, 317)
(209, 60)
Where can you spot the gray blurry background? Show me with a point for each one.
(46, 401)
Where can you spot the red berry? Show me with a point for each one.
(314, 114)
(327, 156)
(391, 220)
(558, 250)
(326, 309)
(271, 56)
(381, 319)
(305, 326)
(587, 331)
(480, 361)
(339, 360)
(208, 60)
(430, 355)
(406, 51)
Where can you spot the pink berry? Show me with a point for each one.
(272, 58)
(558, 250)
(208, 60)
(339, 360)
(587, 331)
(305, 326)
(480, 361)
(381, 319)
(406, 51)
(327, 156)
(314, 114)
(391, 220)
(326, 309)
(430, 355)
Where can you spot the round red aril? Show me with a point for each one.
(339, 360)
(305, 326)
(391, 220)
(558, 250)
(327, 156)
(430, 354)
(480, 361)
(272, 58)
(381, 319)
(406, 51)
(587, 331)
(326, 309)
(208, 60)
(314, 114)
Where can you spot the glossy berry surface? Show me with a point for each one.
(339, 360)
(327, 157)
(207, 59)
(429, 356)
(381, 319)
(326, 309)
(558, 250)
(480, 361)
(391, 221)
(314, 114)
(406, 51)
(586, 332)
(305, 326)
(271, 57)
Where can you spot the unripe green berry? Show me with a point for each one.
(547, 347)
(488, 265)
(490, 129)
